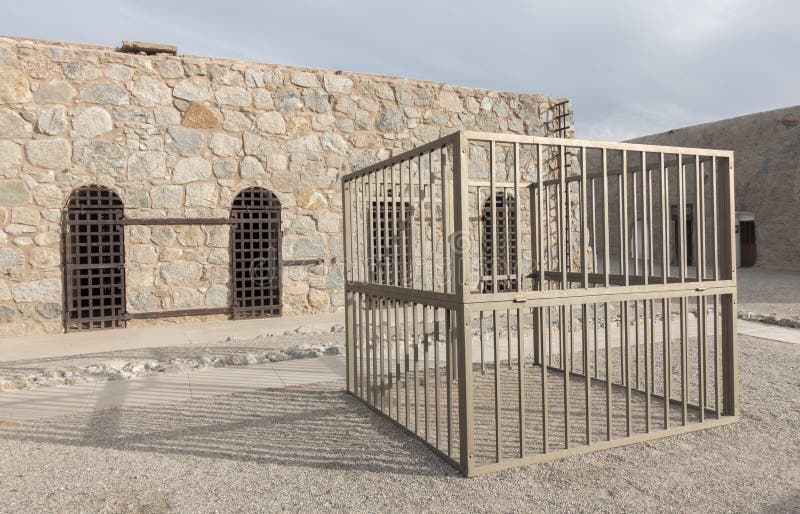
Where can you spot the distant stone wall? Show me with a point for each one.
(766, 150)
(180, 137)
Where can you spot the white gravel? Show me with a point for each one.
(318, 449)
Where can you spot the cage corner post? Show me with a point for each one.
(349, 296)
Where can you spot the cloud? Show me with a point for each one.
(631, 68)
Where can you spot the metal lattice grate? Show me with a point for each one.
(94, 270)
(506, 251)
(256, 254)
(391, 231)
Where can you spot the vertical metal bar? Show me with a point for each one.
(402, 237)
(397, 362)
(650, 218)
(701, 355)
(584, 243)
(433, 228)
(635, 222)
(587, 373)
(386, 359)
(627, 367)
(390, 369)
(517, 224)
(730, 357)
(465, 393)
(406, 362)
(483, 360)
(624, 200)
(425, 357)
(645, 221)
(371, 234)
(493, 210)
(648, 370)
(449, 356)
(421, 226)
(684, 362)
(606, 249)
(565, 367)
(521, 382)
(717, 351)
(682, 217)
(563, 208)
(698, 216)
(607, 324)
(508, 338)
(543, 366)
(386, 265)
(376, 389)
(437, 371)
(416, 367)
(497, 429)
(715, 216)
(395, 240)
(664, 221)
(447, 225)
(349, 302)
(666, 315)
(541, 195)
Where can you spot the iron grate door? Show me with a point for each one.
(256, 254)
(506, 231)
(94, 256)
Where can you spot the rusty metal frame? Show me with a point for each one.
(598, 342)
(93, 253)
(256, 250)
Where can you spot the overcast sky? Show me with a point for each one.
(630, 67)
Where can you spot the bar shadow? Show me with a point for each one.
(319, 427)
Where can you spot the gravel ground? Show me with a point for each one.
(769, 292)
(316, 448)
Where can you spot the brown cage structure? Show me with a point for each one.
(515, 299)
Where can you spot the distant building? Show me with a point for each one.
(766, 149)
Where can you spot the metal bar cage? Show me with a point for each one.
(514, 299)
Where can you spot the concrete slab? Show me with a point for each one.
(79, 343)
(765, 331)
(57, 401)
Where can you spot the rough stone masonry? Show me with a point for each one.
(180, 136)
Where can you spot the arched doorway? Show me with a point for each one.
(256, 254)
(505, 230)
(94, 260)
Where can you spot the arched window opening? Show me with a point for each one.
(256, 254)
(94, 260)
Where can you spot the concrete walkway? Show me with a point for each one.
(200, 334)
(766, 331)
(57, 401)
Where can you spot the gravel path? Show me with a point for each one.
(316, 448)
(769, 292)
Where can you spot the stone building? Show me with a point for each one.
(766, 146)
(140, 188)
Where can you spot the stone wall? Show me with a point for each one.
(766, 150)
(180, 136)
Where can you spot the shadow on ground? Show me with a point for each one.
(318, 427)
